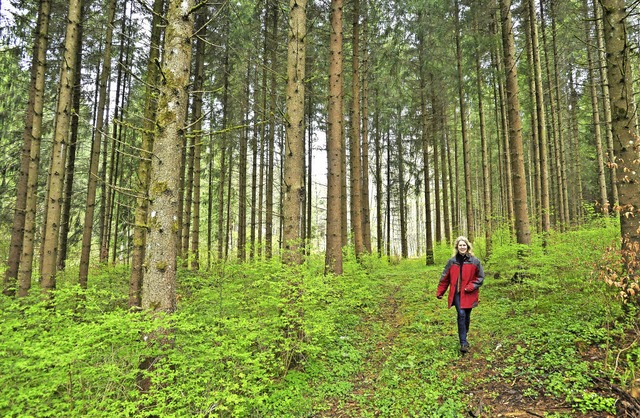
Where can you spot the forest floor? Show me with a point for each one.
(478, 375)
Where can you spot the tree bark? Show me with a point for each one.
(595, 111)
(103, 97)
(366, 211)
(333, 255)
(23, 227)
(159, 286)
(466, 150)
(355, 160)
(71, 158)
(198, 88)
(58, 154)
(541, 119)
(522, 228)
(604, 83)
(626, 143)
(268, 236)
(144, 165)
(294, 192)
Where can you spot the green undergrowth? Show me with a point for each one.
(376, 340)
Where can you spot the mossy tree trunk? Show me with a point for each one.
(159, 286)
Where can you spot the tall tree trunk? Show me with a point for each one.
(534, 155)
(121, 141)
(444, 148)
(437, 166)
(144, 164)
(159, 286)
(466, 148)
(293, 179)
(309, 171)
(268, 236)
(595, 111)
(559, 206)
(197, 131)
(486, 169)
(626, 144)
(388, 200)
(541, 119)
(355, 162)
(558, 99)
(366, 211)
(103, 98)
(575, 157)
(294, 147)
(404, 250)
(58, 154)
(604, 83)
(333, 255)
(429, 259)
(523, 232)
(223, 143)
(263, 132)
(378, 150)
(110, 171)
(210, 194)
(26, 187)
(242, 172)
(65, 215)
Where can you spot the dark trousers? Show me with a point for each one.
(464, 318)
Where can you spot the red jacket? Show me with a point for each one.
(471, 280)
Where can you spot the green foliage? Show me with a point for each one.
(374, 341)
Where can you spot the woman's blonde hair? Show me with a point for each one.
(466, 240)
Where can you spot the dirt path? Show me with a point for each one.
(487, 393)
(392, 320)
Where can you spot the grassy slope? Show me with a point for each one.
(378, 343)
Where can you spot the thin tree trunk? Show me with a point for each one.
(426, 132)
(268, 236)
(333, 256)
(388, 205)
(446, 214)
(294, 147)
(197, 129)
(542, 123)
(95, 148)
(523, 232)
(65, 215)
(224, 141)
(355, 160)
(604, 83)
(558, 96)
(23, 227)
(466, 148)
(401, 191)
(378, 151)
(144, 165)
(486, 169)
(534, 155)
(577, 166)
(438, 131)
(242, 174)
(595, 111)
(108, 197)
(58, 154)
(366, 211)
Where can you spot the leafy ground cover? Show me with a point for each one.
(549, 339)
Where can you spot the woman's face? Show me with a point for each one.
(462, 247)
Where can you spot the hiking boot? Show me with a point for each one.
(464, 347)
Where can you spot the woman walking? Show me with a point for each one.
(463, 275)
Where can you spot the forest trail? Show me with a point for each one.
(408, 319)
